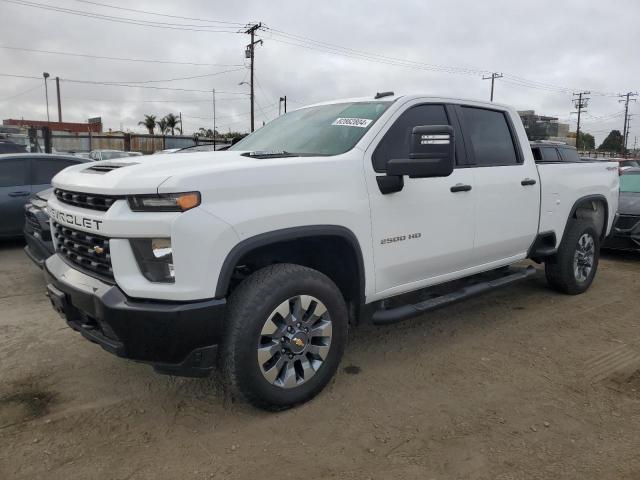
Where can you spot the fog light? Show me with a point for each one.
(155, 258)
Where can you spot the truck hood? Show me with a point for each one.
(139, 175)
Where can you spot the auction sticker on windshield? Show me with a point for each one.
(353, 122)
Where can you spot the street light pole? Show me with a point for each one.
(214, 118)
(46, 93)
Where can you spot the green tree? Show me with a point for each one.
(205, 132)
(149, 123)
(162, 126)
(173, 122)
(613, 142)
(586, 142)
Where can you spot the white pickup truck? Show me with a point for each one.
(259, 258)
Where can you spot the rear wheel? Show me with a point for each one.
(285, 335)
(574, 266)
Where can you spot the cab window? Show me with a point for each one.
(396, 143)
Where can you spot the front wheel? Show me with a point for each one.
(285, 334)
(574, 266)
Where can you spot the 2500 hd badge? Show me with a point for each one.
(71, 219)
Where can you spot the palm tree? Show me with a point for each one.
(162, 125)
(173, 122)
(149, 123)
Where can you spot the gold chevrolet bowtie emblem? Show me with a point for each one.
(99, 250)
(298, 342)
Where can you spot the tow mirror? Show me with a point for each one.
(432, 153)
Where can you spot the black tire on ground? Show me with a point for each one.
(560, 269)
(250, 306)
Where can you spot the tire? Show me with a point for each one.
(572, 269)
(266, 354)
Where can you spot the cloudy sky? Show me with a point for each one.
(314, 51)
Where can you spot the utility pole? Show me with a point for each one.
(492, 77)
(580, 104)
(181, 127)
(282, 99)
(59, 104)
(250, 54)
(214, 119)
(46, 92)
(626, 99)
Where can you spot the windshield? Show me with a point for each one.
(322, 130)
(630, 182)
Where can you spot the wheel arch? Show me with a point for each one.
(284, 237)
(584, 208)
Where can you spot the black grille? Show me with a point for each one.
(89, 252)
(86, 200)
(32, 220)
(625, 222)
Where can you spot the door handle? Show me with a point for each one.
(459, 187)
(18, 194)
(527, 181)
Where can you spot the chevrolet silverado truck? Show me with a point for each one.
(258, 258)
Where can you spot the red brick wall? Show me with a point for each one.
(57, 126)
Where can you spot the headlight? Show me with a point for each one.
(166, 202)
(155, 258)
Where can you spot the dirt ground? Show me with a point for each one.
(522, 383)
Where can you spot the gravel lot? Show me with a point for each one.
(523, 383)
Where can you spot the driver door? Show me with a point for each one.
(424, 233)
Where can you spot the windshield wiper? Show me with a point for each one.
(270, 154)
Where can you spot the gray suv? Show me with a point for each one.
(21, 175)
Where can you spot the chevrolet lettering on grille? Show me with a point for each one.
(70, 219)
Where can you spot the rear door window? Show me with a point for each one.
(569, 155)
(490, 137)
(549, 154)
(44, 169)
(14, 172)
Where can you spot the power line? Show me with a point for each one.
(238, 24)
(325, 47)
(114, 84)
(126, 20)
(122, 59)
(181, 101)
(175, 79)
(37, 87)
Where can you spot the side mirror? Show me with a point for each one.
(432, 153)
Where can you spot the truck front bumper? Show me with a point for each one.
(176, 338)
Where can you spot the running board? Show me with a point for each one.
(403, 312)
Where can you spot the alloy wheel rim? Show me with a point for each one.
(294, 341)
(584, 257)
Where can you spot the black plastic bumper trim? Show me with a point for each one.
(177, 338)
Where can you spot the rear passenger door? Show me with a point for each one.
(14, 192)
(43, 169)
(507, 189)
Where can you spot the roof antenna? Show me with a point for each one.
(383, 94)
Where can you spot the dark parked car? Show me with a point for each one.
(21, 175)
(37, 231)
(11, 147)
(625, 234)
